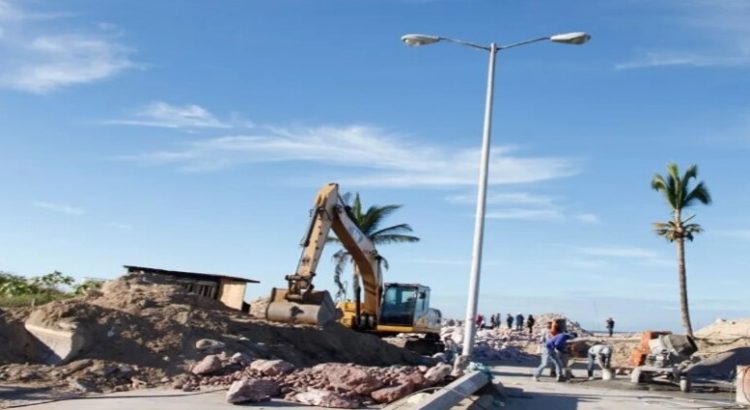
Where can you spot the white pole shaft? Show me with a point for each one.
(476, 255)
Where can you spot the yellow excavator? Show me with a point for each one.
(386, 309)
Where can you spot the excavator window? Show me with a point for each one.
(398, 306)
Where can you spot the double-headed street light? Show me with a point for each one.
(415, 40)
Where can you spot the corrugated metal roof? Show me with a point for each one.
(200, 275)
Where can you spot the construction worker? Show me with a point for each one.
(600, 354)
(551, 352)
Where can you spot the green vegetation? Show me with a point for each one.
(678, 195)
(17, 290)
(369, 223)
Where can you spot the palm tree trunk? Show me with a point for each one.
(682, 277)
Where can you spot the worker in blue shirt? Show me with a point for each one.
(552, 350)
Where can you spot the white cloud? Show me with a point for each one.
(588, 218)
(672, 58)
(641, 256)
(718, 32)
(37, 60)
(525, 214)
(504, 198)
(161, 114)
(375, 157)
(61, 208)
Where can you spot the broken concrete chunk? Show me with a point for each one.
(209, 345)
(63, 340)
(349, 378)
(209, 364)
(437, 373)
(271, 367)
(252, 390)
(325, 398)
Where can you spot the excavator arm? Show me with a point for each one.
(300, 303)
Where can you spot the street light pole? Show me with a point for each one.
(414, 40)
(476, 253)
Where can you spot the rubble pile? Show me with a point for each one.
(326, 384)
(140, 331)
(489, 344)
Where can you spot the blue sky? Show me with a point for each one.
(194, 136)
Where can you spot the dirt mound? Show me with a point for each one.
(725, 329)
(18, 345)
(145, 329)
(570, 325)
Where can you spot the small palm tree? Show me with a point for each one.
(678, 194)
(369, 223)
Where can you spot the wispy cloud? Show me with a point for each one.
(39, 60)
(640, 256)
(588, 218)
(120, 226)
(523, 206)
(190, 116)
(525, 214)
(719, 36)
(732, 233)
(61, 208)
(672, 58)
(504, 198)
(375, 157)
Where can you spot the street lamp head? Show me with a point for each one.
(571, 38)
(415, 40)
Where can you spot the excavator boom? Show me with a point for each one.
(300, 303)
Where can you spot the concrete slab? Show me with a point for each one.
(522, 393)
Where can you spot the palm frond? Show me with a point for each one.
(395, 229)
(698, 194)
(371, 220)
(385, 239)
(666, 230)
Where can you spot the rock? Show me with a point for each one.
(437, 373)
(209, 345)
(460, 365)
(253, 390)
(240, 358)
(390, 394)
(209, 364)
(271, 367)
(348, 378)
(324, 398)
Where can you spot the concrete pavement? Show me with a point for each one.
(522, 393)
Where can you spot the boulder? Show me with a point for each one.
(437, 373)
(348, 378)
(252, 390)
(390, 394)
(240, 358)
(324, 398)
(271, 367)
(209, 364)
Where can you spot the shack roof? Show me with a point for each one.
(197, 275)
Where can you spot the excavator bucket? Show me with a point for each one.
(317, 309)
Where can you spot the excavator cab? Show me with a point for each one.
(407, 307)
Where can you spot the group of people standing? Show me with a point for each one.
(496, 322)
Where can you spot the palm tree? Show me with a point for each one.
(678, 194)
(369, 223)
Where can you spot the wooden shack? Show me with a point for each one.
(229, 290)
